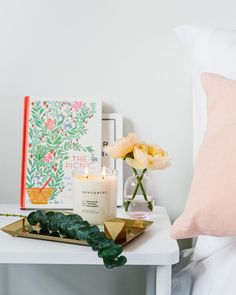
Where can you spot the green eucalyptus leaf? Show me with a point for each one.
(32, 218)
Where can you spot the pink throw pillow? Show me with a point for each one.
(211, 204)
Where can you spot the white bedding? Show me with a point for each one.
(213, 275)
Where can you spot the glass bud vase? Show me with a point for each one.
(138, 197)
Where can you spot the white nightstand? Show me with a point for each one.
(154, 248)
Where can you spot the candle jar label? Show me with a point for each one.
(95, 198)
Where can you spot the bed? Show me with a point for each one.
(209, 267)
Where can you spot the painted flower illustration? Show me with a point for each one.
(38, 180)
(48, 157)
(61, 117)
(67, 126)
(76, 106)
(50, 123)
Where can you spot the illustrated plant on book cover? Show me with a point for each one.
(55, 128)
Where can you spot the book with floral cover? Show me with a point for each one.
(59, 136)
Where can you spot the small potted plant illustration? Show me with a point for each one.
(55, 128)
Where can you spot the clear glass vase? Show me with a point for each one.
(139, 196)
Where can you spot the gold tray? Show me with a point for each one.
(20, 228)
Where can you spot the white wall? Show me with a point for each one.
(124, 52)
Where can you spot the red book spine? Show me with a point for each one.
(24, 151)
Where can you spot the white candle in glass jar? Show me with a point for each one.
(95, 194)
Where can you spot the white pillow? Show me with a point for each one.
(212, 50)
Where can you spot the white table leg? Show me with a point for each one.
(151, 280)
(163, 280)
(3, 279)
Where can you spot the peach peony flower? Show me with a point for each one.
(122, 147)
(147, 156)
